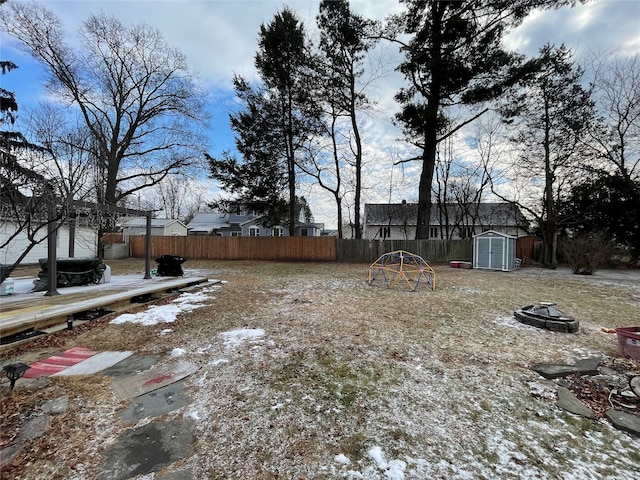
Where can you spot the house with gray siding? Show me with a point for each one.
(245, 224)
(397, 221)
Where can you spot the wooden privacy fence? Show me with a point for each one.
(238, 248)
(527, 247)
(111, 238)
(435, 251)
(298, 248)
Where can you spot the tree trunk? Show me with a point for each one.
(356, 133)
(426, 177)
(339, 208)
(430, 131)
(424, 193)
(551, 223)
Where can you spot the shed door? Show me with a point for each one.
(495, 253)
(483, 255)
(490, 253)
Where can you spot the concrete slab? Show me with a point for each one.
(34, 427)
(584, 366)
(9, 453)
(151, 380)
(588, 366)
(147, 449)
(625, 421)
(131, 366)
(156, 403)
(551, 371)
(569, 402)
(56, 405)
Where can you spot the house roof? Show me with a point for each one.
(142, 222)
(208, 222)
(211, 221)
(495, 213)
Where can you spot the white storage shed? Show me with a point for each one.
(494, 251)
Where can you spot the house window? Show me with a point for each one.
(466, 232)
(276, 232)
(236, 234)
(433, 232)
(384, 232)
(254, 231)
(304, 232)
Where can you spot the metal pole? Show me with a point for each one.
(72, 234)
(147, 256)
(52, 261)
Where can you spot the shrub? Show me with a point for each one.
(587, 252)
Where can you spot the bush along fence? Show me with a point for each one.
(298, 248)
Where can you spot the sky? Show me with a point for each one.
(219, 39)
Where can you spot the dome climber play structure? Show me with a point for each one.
(394, 267)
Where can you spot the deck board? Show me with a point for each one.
(34, 310)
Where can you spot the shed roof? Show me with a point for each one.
(142, 222)
(493, 233)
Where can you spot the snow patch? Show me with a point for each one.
(219, 361)
(234, 338)
(186, 302)
(393, 469)
(513, 323)
(193, 415)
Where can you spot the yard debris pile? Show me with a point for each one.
(610, 390)
(596, 387)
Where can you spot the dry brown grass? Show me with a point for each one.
(439, 380)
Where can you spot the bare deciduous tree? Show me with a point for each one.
(345, 39)
(134, 93)
(616, 138)
(548, 123)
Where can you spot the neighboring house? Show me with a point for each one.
(245, 224)
(397, 221)
(218, 223)
(164, 227)
(252, 228)
(85, 245)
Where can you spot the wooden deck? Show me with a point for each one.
(25, 311)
